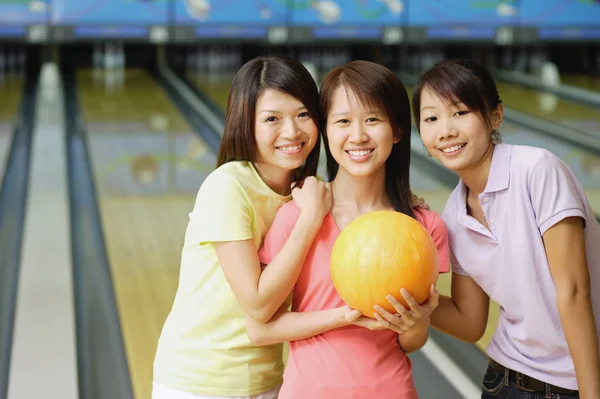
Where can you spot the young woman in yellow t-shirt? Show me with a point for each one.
(271, 140)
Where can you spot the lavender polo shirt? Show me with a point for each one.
(528, 191)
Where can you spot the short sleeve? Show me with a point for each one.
(222, 211)
(280, 230)
(436, 227)
(456, 267)
(553, 192)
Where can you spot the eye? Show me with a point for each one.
(461, 113)
(304, 114)
(343, 121)
(372, 120)
(430, 119)
(271, 119)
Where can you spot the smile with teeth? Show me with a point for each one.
(454, 148)
(359, 153)
(291, 148)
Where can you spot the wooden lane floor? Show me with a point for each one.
(214, 84)
(10, 100)
(148, 165)
(550, 107)
(588, 82)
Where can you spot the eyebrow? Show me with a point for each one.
(273, 111)
(427, 106)
(347, 112)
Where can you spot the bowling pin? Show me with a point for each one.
(550, 76)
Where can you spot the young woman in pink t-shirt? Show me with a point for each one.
(334, 353)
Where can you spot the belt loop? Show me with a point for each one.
(548, 391)
(506, 376)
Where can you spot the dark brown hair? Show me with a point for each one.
(379, 88)
(262, 73)
(460, 80)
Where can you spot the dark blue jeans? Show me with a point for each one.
(495, 386)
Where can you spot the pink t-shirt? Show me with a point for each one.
(349, 362)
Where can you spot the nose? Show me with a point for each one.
(448, 130)
(289, 130)
(358, 134)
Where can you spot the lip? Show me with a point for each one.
(453, 153)
(282, 148)
(360, 158)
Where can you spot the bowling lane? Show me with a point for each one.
(10, 100)
(588, 82)
(214, 84)
(148, 165)
(550, 107)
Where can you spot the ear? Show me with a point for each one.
(397, 136)
(497, 116)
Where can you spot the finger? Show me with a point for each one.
(398, 329)
(402, 323)
(434, 295)
(400, 309)
(352, 315)
(433, 301)
(366, 322)
(414, 306)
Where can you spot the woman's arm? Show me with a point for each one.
(288, 326)
(261, 291)
(465, 314)
(566, 252)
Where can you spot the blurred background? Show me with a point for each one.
(111, 113)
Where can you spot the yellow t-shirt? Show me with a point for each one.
(204, 347)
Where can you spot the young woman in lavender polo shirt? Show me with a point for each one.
(521, 232)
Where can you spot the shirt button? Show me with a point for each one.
(486, 200)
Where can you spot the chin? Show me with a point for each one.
(288, 165)
(361, 170)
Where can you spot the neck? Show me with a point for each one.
(360, 194)
(278, 180)
(476, 176)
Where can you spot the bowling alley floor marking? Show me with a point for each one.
(44, 349)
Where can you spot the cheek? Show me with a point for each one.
(333, 138)
(264, 138)
(428, 139)
(311, 130)
(478, 133)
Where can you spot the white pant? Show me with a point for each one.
(162, 392)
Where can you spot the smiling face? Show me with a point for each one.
(285, 132)
(458, 137)
(360, 138)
